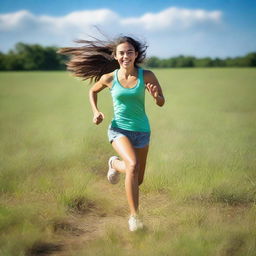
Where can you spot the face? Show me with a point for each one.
(125, 55)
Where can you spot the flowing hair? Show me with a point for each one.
(96, 58)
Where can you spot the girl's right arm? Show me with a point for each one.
(96, 88)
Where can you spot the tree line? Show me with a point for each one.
(249, 60)
(36, 57)
(32, 57)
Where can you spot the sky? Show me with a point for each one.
(208, 28)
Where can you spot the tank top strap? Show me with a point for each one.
(115, 75)
(141, 76)
(115, 80)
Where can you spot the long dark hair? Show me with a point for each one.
(96, 58)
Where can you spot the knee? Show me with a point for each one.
(132, 167)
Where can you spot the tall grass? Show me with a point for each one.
(203, 144)
(199, 193)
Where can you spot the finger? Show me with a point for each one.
(153, 88)
(96, 118)
(102, 115)
(150, 87)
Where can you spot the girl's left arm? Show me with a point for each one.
(154, 87)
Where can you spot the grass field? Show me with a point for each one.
(199, 193)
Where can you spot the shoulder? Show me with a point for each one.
(107, 79)
(149, 76)
(147, 72)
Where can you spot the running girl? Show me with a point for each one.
(114, 65)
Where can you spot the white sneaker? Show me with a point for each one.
(134, 223)
(113, 175)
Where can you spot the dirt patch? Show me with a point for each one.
(234, 247)
(77, 234)
(66, 226)
(82, 205)
(44, 248)
(88, 220)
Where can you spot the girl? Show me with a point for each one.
(114, 65)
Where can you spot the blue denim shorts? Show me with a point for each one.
(138, 139)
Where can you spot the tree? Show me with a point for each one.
(204, 62)
(36, 57)
(153, 62)
(13, 61)
(217, 62)
(2, 61)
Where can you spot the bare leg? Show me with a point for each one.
(131, 157)
(124, 148)
(141, 154)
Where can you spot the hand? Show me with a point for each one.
(98, 118)
(153, 90)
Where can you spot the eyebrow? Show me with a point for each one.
(129, 50)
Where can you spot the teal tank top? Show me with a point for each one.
(129, 105)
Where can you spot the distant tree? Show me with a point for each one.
(250, 59)
(33, 56)
(172, 62)
(204, 62)
(217, 62)
(153, 62)
(2, 61)
(13, 61)
(184, 62)
(36, 57)
(164, 63)
(53, 60)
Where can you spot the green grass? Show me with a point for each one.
(201, 164)
(207, 134)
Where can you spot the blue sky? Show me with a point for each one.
(212, 28)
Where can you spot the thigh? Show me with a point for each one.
(141, 154)
(124, 148)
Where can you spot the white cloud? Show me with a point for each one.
(12, 21)
(78, 20)
(169, 18)
(174, 18)
(169, 26)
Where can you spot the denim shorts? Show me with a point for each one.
(138, 139)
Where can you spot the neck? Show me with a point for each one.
(128, 71)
